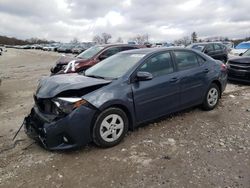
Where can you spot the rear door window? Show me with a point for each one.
(201, 60)
(186, 60)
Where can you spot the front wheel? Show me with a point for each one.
(110, 127)
(212, 97)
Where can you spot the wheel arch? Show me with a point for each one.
(121, 106)
(217, 82)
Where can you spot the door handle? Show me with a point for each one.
(206, 70)
(174, 79)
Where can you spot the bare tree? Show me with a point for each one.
(74, 41)
(194, 37)
(183, 41)
(140, 39)
(119, 40)
(103, 39)
(106, 37)
(97, 39)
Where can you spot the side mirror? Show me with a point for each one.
(102, 57)
(240, 54)
(143, 76)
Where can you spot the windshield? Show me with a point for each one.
(247, 53)
(114, 66)
(198, 47)
(89, 53)
(243, 46)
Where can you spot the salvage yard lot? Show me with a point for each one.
(188, 149)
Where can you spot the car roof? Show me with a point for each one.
(204, 43)
(147, 51)
(118, 45)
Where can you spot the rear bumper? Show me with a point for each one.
(71, 131)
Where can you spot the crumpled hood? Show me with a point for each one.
(241, 60)
(49, 87)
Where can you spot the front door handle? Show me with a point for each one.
(206, 70)
(174, 79)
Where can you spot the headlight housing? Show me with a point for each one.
(67, 104)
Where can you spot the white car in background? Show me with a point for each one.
(240, 49)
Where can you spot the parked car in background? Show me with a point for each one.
(240, 48)
(38, 47)
(65, 48)
(78, 49)
(148, 44)
(50, 47)
(215, 50)
(165, 44)
(25, 47)
(89, 57)
(158, 45)
(228, 44)
(1, 51)
(239, 68)
(132, 42)
(121, 92)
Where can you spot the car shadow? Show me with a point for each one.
(239, 83)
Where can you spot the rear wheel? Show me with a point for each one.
(110, 127)
(212, 97)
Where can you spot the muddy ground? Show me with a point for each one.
(188, 149)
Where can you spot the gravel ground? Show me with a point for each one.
(192, 148)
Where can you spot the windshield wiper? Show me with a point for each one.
(95, 76)
(100, 77)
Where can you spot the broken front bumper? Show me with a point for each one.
(71, 131)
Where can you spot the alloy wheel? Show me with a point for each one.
(212, 97)
(111, 127)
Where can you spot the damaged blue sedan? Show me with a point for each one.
(120, 93)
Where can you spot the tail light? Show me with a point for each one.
(223, 67)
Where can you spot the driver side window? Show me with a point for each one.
(158, 65)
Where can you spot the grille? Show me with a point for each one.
(239, 66)
(238, 74)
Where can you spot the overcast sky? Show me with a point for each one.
(163, 20)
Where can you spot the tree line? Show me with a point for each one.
(104, 38)
(14, 41)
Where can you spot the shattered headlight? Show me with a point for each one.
(67, 104)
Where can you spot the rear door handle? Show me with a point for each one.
(174, 79)
(206, 70)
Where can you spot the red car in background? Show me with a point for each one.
(89, 57)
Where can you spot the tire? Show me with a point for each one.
(211, 98)
(110, 127)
